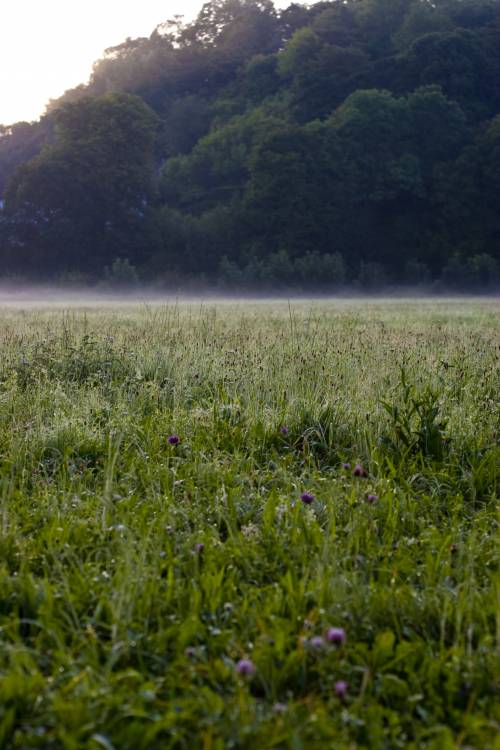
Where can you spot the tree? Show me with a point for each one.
(422, 18)
(85, 200)
(218, 167)
(378, 21)
(241, 27)
(294, 197)
(466, 194)
(20, 143)
(465, 64)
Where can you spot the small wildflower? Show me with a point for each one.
(245, 668)
(340, 689)
(346, 466)
(359, 471)
(336, 635)
(279, 708)
(371, 498)
(284, 430)
(317, 642)
(200, 547)
(250, 531)
(174, 440)
(190, 652)
(307, 498)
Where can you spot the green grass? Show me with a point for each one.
(116, 631)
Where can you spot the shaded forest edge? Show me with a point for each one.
(344, 145)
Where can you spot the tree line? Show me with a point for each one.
(346, 142)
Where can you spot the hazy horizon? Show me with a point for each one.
(21, 296)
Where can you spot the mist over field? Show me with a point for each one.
(59, 298)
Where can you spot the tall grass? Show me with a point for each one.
(136, 574)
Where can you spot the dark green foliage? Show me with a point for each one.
(92, 189)
(467, 194)
(366, 128)
(417, 425)
(20, 143)
(464, 63)
(314, 271)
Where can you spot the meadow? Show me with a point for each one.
(250, 525)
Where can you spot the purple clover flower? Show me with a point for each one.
(317, 642)
(336, 636)
(245, 668)
(340, 689)
(200, 547)
(307, 498)
(174, 440)
(346, 466)
(359, 471)
(284, 430)
(371, 498)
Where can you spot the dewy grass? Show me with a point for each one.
(250, 526)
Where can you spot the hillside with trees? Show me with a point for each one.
(345, 142)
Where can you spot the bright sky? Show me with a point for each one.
(48, 46)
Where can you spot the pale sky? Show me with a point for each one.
(48, 46)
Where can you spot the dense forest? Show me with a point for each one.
(345, 142)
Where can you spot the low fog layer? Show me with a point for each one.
(35, 297)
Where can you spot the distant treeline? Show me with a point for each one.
(354, 141)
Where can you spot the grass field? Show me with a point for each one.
(255, 525)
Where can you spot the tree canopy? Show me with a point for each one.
(356, 136)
